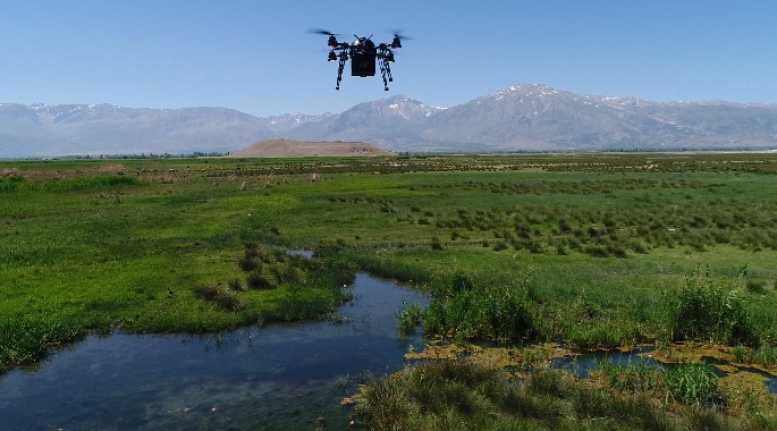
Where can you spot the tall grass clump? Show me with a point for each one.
(694, 384)
(765, 355)
(11, 184)
(222, 296)
(24, 341)
(410, 318)
(708, 311)
(262, 280)
(491, 312)
(637, 378)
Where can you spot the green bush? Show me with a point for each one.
(705, 310)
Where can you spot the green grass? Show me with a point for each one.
(459, 395)
(593, 251)
(410, 319)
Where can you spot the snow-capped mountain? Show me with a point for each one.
(394, 122)
(519, 117)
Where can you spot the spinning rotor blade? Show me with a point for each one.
(398, 34)
(322, 31)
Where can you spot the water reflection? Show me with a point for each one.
(277, 377)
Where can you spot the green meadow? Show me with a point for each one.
(585, 251)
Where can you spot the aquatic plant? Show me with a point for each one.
(490, 312)
(695, 384)
(637, 378)
(410, 318)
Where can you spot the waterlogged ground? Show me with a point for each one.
(276, 377)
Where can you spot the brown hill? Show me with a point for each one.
(289, 148)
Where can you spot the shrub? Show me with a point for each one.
(261, 280)
(248, 264)
(236, 285)
(436, 244)
(597, 251)
(221, 296)
(757, 287)
(499, 246)
(705, 310)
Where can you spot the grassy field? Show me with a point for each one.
(591, 251)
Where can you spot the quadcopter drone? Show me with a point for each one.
(363, 54)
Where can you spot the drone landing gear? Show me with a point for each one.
(385, 72)
(340, 67)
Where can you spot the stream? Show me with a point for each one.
(277, 377)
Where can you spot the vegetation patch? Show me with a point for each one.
(458, 394)
(706, 310)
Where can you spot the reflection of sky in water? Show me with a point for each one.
(275, 377)
(772, 384)
(583, 365)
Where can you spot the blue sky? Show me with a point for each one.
(255, 56)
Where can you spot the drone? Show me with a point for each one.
(363, 54)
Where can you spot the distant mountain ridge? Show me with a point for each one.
(519, 117)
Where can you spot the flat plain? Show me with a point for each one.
(586, 252)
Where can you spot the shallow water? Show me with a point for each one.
(276, 377)
(582, 365)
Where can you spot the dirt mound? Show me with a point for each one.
(289, 148)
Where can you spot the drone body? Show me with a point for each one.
(364, 55)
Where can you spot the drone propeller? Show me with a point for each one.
(396, 43)
(322, 31)
(398, 34)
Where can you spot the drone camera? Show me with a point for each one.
(332, 56)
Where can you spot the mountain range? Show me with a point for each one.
(524, 117)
